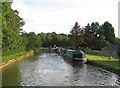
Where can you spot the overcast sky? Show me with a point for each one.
(60, 15)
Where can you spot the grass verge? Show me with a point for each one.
(112, 63)
(15, 56)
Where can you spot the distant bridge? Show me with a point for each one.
(47, 50)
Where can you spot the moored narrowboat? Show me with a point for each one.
(62, 52)
(76, 55)
(57, 50)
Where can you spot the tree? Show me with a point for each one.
(76, 34)
(95, 27)
(117, 41)
(11, 27)
(47, 41)
(51, 39)
(94, 37)
(25, 41)
(62, 40)
(34, 41)
(108, 32)
(88, 36)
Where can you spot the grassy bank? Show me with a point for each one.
(15, 56)
(105, 61)
(12, 58)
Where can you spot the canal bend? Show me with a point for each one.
(50, 69)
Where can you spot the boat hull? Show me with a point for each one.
(76, 55)
(82, 60)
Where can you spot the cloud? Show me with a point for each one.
(60, 15)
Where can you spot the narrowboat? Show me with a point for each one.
(57, 50)
(62, 52)
(76, 55)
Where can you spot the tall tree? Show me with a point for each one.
(88, 36)
(95, 29)
(34, 41)
(108, 32)
(11, 27)
(76, 34)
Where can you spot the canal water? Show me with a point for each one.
(50, 69)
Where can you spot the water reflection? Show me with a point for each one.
(50, 69)
(11, 75)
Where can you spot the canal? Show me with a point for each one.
(50, 69)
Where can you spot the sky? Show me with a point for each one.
(60, 15)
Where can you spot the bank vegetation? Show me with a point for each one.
(15, 42)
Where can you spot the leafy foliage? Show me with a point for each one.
(93, 36)
(117, 41)
(51, 39)
(108, 32)
(11, 27)
(14, 40)
(76, 35)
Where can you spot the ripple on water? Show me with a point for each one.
(51, 69)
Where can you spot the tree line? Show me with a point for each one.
(93, 36)
(15, 40)
(11, 28)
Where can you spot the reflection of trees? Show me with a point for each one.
(10, 76)
(79, 73)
